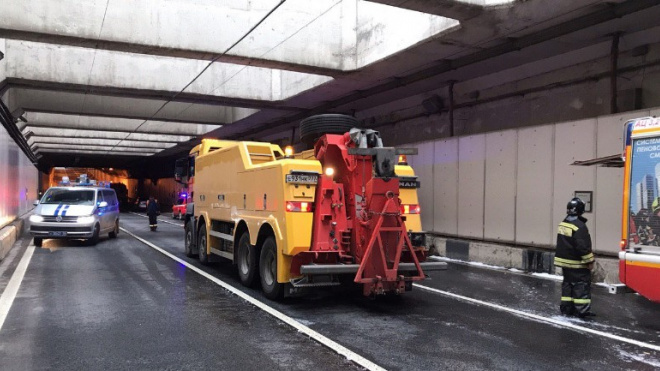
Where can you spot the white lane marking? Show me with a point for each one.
(540, 318)
(331, 344)
(8, 296)
(161, 220)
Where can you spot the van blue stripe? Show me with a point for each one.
(65, 210)
(57, 210)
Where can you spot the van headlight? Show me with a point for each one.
(36, 218)
(86, 219)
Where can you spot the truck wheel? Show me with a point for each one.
(188, 246)
(314, 127)
(38, 242)
(247, 261)
(272, 289)
(201, 242)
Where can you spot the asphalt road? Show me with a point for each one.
(124, 305)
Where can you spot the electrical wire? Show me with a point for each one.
(215, 59)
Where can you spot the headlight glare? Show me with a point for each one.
(36, 218)
(85, 219)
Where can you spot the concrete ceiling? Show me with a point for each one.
(102, 83)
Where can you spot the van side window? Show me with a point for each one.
(110, 198)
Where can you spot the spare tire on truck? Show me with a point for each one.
(314, 127)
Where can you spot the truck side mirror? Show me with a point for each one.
(103, 204)
(180, 167)
(35, 202)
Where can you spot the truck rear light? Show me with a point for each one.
(403, 160)
(622, 244)
(410, 209)
(299, 206)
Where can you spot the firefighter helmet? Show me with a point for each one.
(575, 207)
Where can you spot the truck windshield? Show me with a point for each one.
(644, 222)
(69, 196)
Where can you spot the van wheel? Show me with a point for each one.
(247, 261)
(201, 238)
(38, 241)
(115, 232)
(95, 237)
(189, 248)
(272, 289)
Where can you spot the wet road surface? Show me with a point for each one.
(123, 305)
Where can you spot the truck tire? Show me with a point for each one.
(272, 289)
(201, 243)
(314, 127)
(247, 261)
(188, 246)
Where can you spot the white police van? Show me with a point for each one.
(82, 211)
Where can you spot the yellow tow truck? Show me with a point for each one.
(295, 221)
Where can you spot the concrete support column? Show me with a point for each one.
(348, 35)
(614, 59)
(451, 107)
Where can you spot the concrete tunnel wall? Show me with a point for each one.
(18, 177)
(3, 63)
(18, 180)
(512, 186)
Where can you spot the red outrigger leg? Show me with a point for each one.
(388, 240)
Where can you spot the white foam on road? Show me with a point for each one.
(331, 344)
(539, 318)
(644, 358)
(463, 262)
(548, 276)
(8, 296)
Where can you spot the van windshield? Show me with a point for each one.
(69, 196)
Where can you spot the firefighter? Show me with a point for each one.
(575, 257)
(153, 209)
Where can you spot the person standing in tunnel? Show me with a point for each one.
(576, 258)
(153, 210)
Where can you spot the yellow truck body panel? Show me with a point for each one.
(244, 182)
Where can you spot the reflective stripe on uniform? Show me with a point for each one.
(566, 298)
(582, 301)
(566, 229)
(568, 263)
(587, 258)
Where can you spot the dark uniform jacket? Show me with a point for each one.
(153, 208)
(573, 244)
